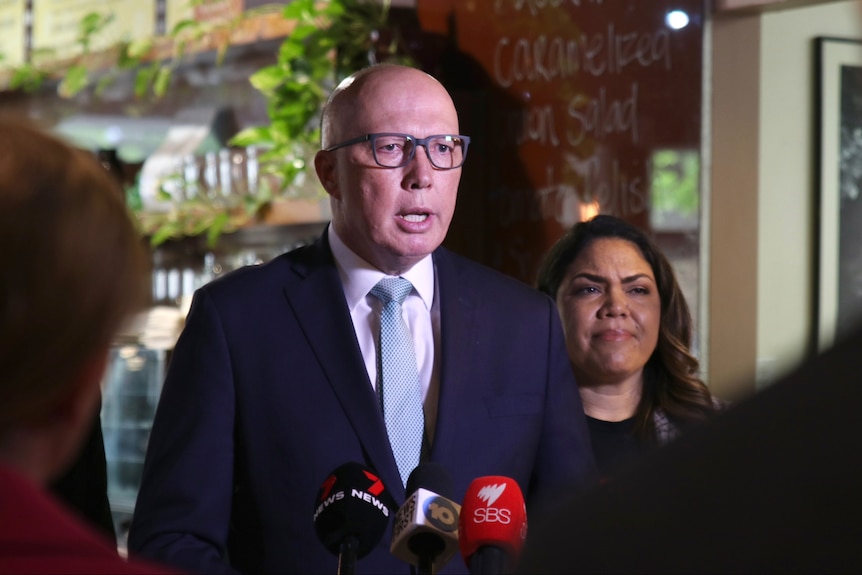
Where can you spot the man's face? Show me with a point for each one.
(392, 217)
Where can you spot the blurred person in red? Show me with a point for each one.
(74, 270)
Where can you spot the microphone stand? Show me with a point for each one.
(425, 566)
(347, 555)
(427, 547)
(489, 560)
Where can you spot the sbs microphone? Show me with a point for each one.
(425, 532)
(493, 525)
(351, 513)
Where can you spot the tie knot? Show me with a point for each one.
(392, 289)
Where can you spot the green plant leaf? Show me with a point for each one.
(138, 49)
(252, 136)
(303, 31)
(290, 51)
(215, 228)
(221, 53)
(75, 80)
(27, 78)
(162, 81)
(297, 9)
(90, 25)
(182, 25)
(165, 232)
(143, 80)
(163, 195)
(267, 79)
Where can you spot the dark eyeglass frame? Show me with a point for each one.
(416, 143)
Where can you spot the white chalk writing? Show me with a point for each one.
(544, 59)
(535, 6)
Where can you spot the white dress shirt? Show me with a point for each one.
(421, 313)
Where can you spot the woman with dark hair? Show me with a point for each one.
(628, 332)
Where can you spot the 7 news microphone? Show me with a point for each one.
(425, 532)
(493, 525)
(351, 513)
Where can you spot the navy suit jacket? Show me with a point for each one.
(267, 393)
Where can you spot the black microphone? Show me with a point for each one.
(351, 514)
(425, 533)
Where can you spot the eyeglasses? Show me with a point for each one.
(445, 151)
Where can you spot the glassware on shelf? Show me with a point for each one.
(191, 176)
(224, 176)
(211, 183)
(131, 389)
(225, 173)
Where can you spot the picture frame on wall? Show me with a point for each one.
(838, 161)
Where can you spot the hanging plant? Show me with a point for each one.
(328, 41)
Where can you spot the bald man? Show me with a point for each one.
(274, 381)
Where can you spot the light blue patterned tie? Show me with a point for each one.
(398, 377)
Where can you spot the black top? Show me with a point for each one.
(614, 443)
(84, 485)
(771, 485)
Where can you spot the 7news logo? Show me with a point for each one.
(328, 495)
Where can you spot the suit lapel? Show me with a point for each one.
(458, 308)
(317, 300)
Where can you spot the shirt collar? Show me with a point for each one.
(358, 276)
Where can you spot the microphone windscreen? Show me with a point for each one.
(352, 502)
(493, 514)
(426, 526)
(431, 476)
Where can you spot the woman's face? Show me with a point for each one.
(611, 311)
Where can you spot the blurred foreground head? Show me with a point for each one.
(74, 270)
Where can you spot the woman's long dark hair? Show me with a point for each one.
(671, 380)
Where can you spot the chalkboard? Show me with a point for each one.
(575, 107)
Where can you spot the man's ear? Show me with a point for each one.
(324, 165)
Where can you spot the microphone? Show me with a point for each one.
(425, 532)
(493, 525)
(351, 513)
